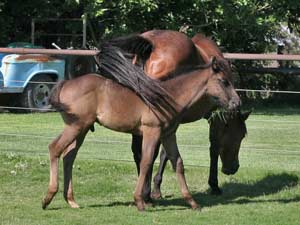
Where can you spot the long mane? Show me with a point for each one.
(114, 65)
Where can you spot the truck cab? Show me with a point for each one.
(31, 78)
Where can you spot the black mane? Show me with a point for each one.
(114, 65)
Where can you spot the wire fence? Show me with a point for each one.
(284, 149)
(237, 89)
(267, 91)
(29, 82)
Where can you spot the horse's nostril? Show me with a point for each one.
(215, 98)
(236, 167)
(233, 104)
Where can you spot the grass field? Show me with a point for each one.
(266, 189)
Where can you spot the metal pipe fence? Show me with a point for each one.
(232, 56)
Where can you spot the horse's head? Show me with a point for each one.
(220, 85)
(227, 130)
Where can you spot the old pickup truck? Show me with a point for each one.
(27, 79)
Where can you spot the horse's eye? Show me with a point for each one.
(225, 82)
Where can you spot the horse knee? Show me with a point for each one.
(52, 148)
(179, 166)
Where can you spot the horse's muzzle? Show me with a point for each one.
(234, 103)
(233, 169)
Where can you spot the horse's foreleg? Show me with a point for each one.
(136, 147)
(57, 146)
(170, 145)
(150, 142)
(69, 156)
(156, 193)
(213, 170)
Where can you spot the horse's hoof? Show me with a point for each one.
(216, 191)
(44, 204)
(156, 195)
(149, 204)
(140, 205)
(141, 208)
(195, 206)
(73, 205)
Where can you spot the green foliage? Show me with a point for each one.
(238, 25)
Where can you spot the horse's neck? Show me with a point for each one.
(188, 89)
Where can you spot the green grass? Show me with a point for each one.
(266, 189)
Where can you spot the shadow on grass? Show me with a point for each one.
(236, 193)
(239, 193)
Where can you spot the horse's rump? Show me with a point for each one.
(54, 99)
(134, 44)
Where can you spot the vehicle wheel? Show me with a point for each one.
(36, 95)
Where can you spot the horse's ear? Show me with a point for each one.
(245, 115)
(215, 66)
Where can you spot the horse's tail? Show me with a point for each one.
(54, 99)
(134, 44)
(114, 65)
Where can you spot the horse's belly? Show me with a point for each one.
(118, 121)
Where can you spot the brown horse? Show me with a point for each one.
(93, 98)
(174, 51)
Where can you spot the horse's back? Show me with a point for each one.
(97, 98)
(75, 88)
(172, 50)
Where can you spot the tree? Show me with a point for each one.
(237, 25)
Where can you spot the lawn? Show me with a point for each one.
(266, 189)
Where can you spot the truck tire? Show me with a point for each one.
(36, 95)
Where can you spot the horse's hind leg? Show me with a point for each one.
(170, 145)
(156, 193)
(69, 156)
(57, 146)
